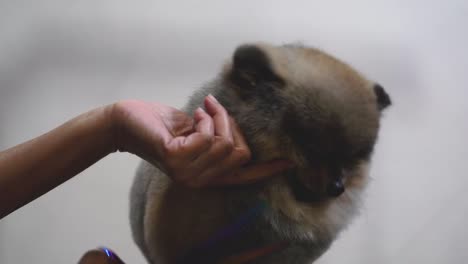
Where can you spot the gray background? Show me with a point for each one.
(61, 58)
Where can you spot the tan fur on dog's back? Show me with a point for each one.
(195, 220)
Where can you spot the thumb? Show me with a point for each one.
(100, 256)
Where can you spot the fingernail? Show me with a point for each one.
(198, 114)
(111, 255)
(201, 110)
(213, 98)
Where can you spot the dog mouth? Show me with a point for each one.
(312, 186)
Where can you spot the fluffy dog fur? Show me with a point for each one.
(291, 102)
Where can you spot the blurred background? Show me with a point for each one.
(61, 58)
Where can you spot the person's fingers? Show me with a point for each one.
(204, 122)
(225, 164)
(100, 256)
(238, 137)
(210, 162)
(220, 117)
(221, 148)
(214, 153)
(241, 149)
(183, 150)
(253, 173)
(190, 147)
(178, 151)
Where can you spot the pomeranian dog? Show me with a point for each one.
(291, 102)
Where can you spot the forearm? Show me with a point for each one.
(33, 168)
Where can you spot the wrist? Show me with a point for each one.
(99, 124)
(118, 116)
(113, 126)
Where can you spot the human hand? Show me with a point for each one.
(207, 149)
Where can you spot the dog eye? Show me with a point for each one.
(336, 186)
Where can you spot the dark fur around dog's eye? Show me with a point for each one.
(383, 99)
(364, 153)
(252, 68)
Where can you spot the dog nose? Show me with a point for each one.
(336, 188)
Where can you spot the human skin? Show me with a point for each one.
(185, 147)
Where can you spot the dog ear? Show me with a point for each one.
(383, 99)
(251, 67)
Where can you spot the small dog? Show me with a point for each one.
(291, 102)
